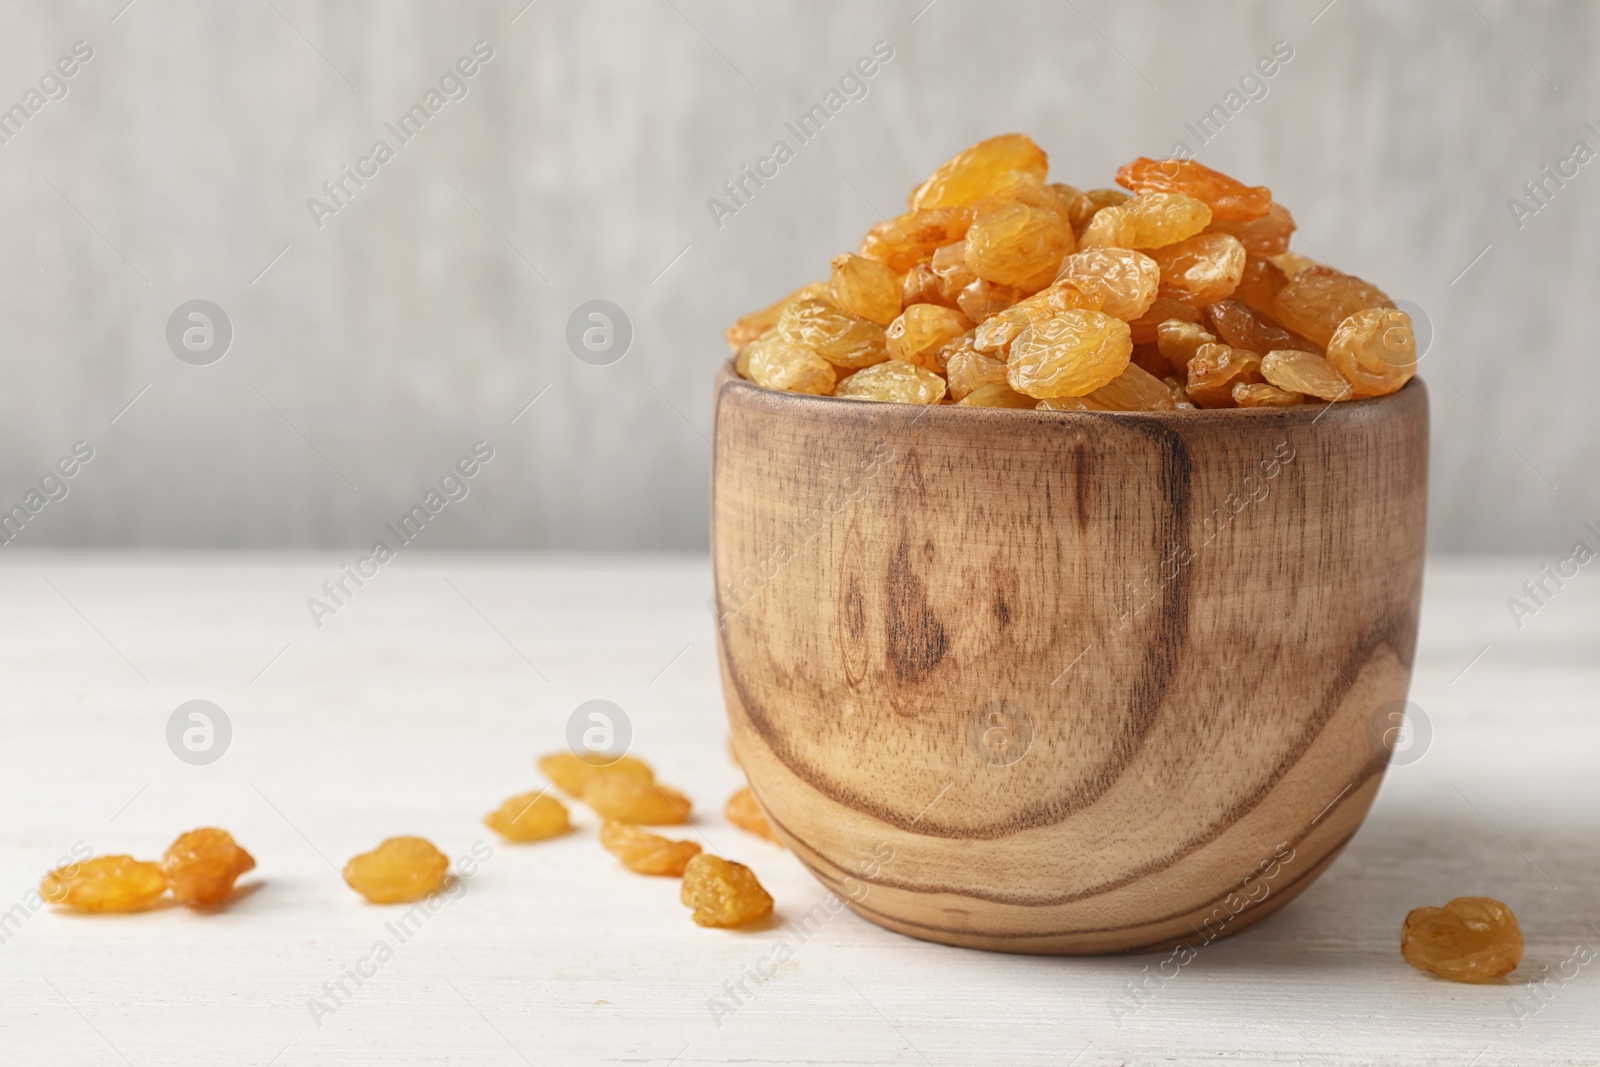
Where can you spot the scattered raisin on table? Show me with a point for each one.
(644, 852)
(531, 816)
(572, 773)
(1470, 939)
(202, 865)
(723, 893)
(742, 809)
(997, 287)
(105, 883)
(625, 798)
(398, 871)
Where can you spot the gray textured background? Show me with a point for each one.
(428, 312)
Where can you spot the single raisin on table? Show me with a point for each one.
(398, 871)
(644, 852)
(1374, 350)
(572, 773)
(980, 170)
(625, 798)
(742, 809)
(1227, 197)
(1304, 372)
(865, 287)
(202, 865)
(529, 817)
(723, 893)
(105, 883)
(1070, 354)
(1470, 939)
(895, 381)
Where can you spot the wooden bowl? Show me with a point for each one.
(1065, 682)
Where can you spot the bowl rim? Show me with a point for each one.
(1308, 414)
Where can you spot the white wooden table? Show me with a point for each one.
(424, 701)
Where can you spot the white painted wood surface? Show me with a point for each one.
(420, 705)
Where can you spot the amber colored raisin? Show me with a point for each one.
(843, 339)
(865, 287)
(723, 893)
(779, 364)
(1146, 326)
(105, 883)
(895, 382)
(1070, 354)
(996, 334)
(922, 330)
(632, 800)
(1179, 340)
(1266, 236)
(1126, 281)
(572, 773)
(1227, 197)
(1019, 245)
(529, 817)
(996, 395)
(202, 865)
(1316, 300)
(1292, 263)
(1084, 207)
(976, 172)
(968, 370)
(1304, 372)
(1070, 403)
(1243, 327)
(922, 286)
(1374, 350)
(1135, 389)
(982, 299)
(1153, 220)
(757, 323)
(1260, 284)
(744, 812)
(1470, 939)
(1148, 358)
(399, 870)
(902, 242)
(1262, 395)
(949, 265)
(1215, 369)
(1201, 270)
(639, 850)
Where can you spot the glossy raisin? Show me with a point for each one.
(1227, 197)
(1070, 354)
(1316, 300)
(843, 339)
(1304, 372)
(976, 172)
(1374, 350)
(1201, 270)
(1243, 327)
(865, 287)
(1262, 395)
(1154, 220)
(1126, 281)
(894, 382)
(1215, 369)
(921, 330)
(1470, 939)
(1018, 245)
(202, 865)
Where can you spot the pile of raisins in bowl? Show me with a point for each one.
(1000, 289)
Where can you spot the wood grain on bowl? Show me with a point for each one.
(1065, 682)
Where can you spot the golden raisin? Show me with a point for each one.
(922, 286)
(895, 381)
(400, 870)
(1070, 403)
(1153, 220)
(1215, 369)
(996, 395)
(1149, 358)
(757, 323)
(627, 799)
(1227, 197)
(723, 893)
(1135, 389)
(1470, 939)
(1125, 281)
(1261, 282)
(529, 817)
(865, 287)
(949, 265)
(1019, 245)
(1316, 300)
(1266, 236)
(1070, 354)
(202, 865)
(1085, 206)
(969, 370)
(1243, 327)
(979, 170)
(902, 242)
(779, 364)
(745, 813)
(647, 853)
(921, 331)
(1201, 270)
(843, 339)
(982, 299)
(996, 334)
(1374, 351)
(1179, 341)
(1292, 263)
(572, 773)
(1304, 372)
(1262, 395)
(1145, 327)
(105, 883)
